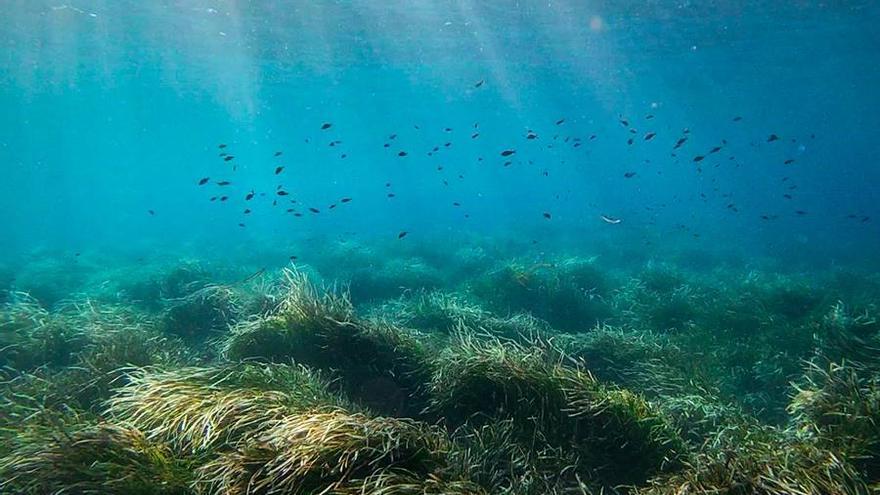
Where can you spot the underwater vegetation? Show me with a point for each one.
(571, 376)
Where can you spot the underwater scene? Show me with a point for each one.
(515, 247)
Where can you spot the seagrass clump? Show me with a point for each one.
(760, 460)
(202, 315)
(93, 459)
(327, 451)
(382, 366)
(201, 409)
(837, 407)
(617, 436)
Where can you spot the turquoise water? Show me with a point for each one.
(439, 246)
(113, 109)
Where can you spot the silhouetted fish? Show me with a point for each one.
(228, 158)
(278, 153)
(629, 175)
(224, 183)
(402, 234)
(326, 126)
(560, 121)
(278, 170)
(547, 215)
(649, 136)
(204, 181)
(221, 146)
(507, 152)
(772, 137)
(479, 83)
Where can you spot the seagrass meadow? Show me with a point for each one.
(579, 374)
(439, 247)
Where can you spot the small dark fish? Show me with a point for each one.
(715, 149)
(479, 83)
(624, 122)
(331, 206)
(279, 153)
(629, 175)
(278, 170)
(386, 145)
(531, 135)
(786, 196)
(789, 161)
(224, 183)
(649, 117)
(228, 158)
(737, 118)
(241, 225)
(456, 203)
(249, 196)
(326, 126)
(314, 210)
(680, 142)
(649, 136)
(475, 135)
(294, 258)
(547, 215)
(447, 144)
(204, 181)
(402, 234)
(247, 211)
(772, 137)
(402, 153)
(699, 158)
(282, 193)
(345, 200)
(507, 163)
(224, 198)
(507, 152)
(213, 198)
(391, 195)
(393, 136)
(800, 212)
(629, 141)
(448, 129)
(560, 121)
(221, 146)
(151, 212)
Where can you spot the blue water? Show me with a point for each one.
(111, 109)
